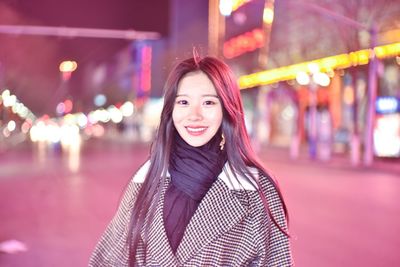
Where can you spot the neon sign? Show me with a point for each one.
(387, 104)
(244, 43)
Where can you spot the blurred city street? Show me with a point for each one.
(339, 215)
(82, 89)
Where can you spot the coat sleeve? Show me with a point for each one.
(274, 244)
(111, 249)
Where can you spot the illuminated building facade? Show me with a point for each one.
(320, 33)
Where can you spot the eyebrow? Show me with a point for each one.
(216, 96)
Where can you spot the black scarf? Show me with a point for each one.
(193, 170)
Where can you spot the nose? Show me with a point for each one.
(195, 113)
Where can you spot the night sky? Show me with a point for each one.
(29, 64)
(140, 15)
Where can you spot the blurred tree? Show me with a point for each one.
(301, 33)
(306, 30)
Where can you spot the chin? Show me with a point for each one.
(195, 144)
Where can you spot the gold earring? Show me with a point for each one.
(222, 144)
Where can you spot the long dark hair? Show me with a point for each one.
(237, 145)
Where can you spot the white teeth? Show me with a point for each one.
(196, 129)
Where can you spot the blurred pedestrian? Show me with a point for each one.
(203, 198)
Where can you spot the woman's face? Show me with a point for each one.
(197, 113)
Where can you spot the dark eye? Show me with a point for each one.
(209, 102)
(182, 102)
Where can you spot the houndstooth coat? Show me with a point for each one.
(229, 228)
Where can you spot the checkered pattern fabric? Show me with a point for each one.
(229, 228)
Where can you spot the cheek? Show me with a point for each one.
(215, 116)
(176, 116)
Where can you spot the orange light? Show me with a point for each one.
(268, 15)
(238, 3)
(68, 106)
(246, 42)
(68, 66)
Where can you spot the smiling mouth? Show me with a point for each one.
(196, 130)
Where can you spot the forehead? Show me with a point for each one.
(196, 83)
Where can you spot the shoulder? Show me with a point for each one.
(269, 185)
(140, 175)
(240, 181)
(245, 181)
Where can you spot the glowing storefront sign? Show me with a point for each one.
(387, 104)
(244, 43)
(387, 135)
(326, 64)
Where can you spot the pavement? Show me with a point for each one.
(54, 206)
(338, 160)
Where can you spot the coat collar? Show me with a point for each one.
(235, 181)
(227, 176)
(217, 213)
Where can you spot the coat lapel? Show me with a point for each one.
(158, 246)
(218, 212)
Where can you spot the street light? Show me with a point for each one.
(66, 68)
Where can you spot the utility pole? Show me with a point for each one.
(372, 91)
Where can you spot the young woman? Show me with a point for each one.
(202, 198)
